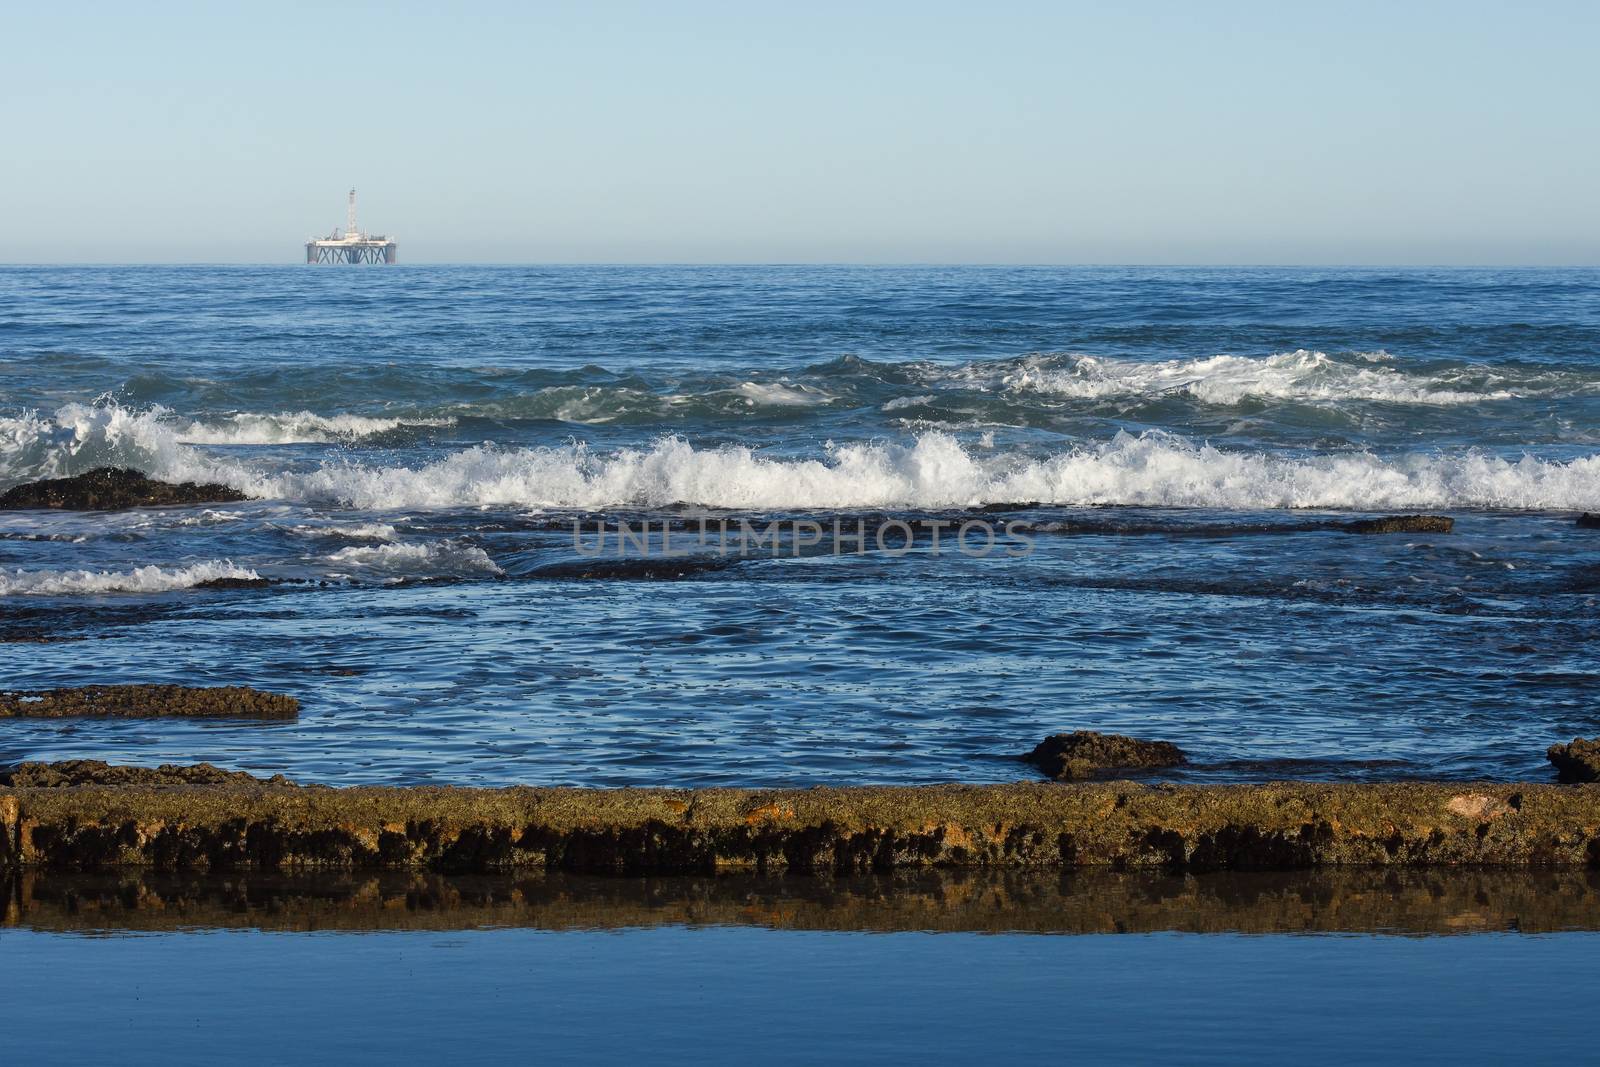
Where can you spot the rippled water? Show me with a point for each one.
(1176, 449)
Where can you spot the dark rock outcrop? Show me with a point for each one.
(147, 702)
(97, 772)
(1589, 521)
(1402, 524)
(114, 488)
(1086, 754)
(1576, 761)
(234, 583)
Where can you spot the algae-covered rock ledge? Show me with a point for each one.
(146, 701)
(271, 826)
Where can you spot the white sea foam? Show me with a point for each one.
(355, 531)
(937, 471)
(208, 517)
(151, 579)
(1300, 375)
(433, 559)
(932, 470)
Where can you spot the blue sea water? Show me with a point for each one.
(739, 995)
(1177, 448)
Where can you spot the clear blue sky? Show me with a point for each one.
(861, 132)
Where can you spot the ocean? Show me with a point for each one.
(1140, 478)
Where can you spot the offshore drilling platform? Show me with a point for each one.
(352, 246)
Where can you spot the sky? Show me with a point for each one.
(888, 132)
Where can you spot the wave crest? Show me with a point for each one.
(1301, 375)
(149, 579)
(297, 427)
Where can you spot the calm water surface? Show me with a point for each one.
(735, 995)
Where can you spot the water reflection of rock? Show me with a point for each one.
(1078, 902)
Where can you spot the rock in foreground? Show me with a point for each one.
(1086, 754)
(255, 825)
(1402, 524)
(147, 702)
(1577, 761)
(112, 489)
(97, 772)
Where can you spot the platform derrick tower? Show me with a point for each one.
(352, 246)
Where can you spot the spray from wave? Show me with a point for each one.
(79, 436)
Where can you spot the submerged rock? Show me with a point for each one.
(1576, 761)
(1402, 524)
(1589, 521)
(147, 702)
(668, 568)
(1086, 754)
(114, 488)
(98, 772)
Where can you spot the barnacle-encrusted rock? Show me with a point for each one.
(1402, 524)
(1576, 761)
(252, 825)
(147, 702)
(114, 488)
(1086, 754)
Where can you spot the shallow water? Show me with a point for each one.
(1176, 447)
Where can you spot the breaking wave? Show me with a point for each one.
(933, 470)
(300, 427)
(1300, 375)
(936, 471)
(151, 579)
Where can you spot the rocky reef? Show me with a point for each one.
(113, 489)
(1389, 524)
(1085, 754)
(269, 826)
(147, 702)
(1577, 761)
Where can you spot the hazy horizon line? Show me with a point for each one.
(847, 264)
